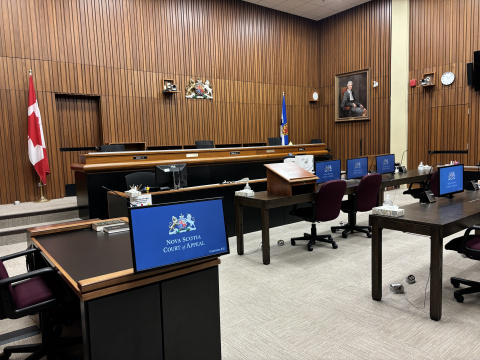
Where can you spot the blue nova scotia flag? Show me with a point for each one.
(283, 126)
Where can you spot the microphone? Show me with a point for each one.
(401, 168)
(118, 195)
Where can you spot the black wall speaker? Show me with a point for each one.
(470, 74)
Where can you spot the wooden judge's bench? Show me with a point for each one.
(207, 171)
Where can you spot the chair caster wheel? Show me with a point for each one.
(292, 242)
(334, 246)
(334, 230)
(458, 297)
(455, 284)
(344, 235)
(310, 247)
(369, 235)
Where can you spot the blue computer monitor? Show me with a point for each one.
(357, 168)
(327, 170)
(450, 179)
(173, 233)
(385, 164)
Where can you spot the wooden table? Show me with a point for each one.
(264, 201)
(437, 220)
(127, 315)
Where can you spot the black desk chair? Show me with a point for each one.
(429, 184)
(39, 291)
(140, 178)
(204, 144)
(325, 208)
(275, 141)
(112, 148)
(364, 199)
(468, 245)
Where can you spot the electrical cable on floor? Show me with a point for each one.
(254, 251)
(425, 298)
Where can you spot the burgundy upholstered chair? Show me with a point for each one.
(325, 208)
(468, 245)
(429, 184)
(364, 199)
(38, 291)
(434, 184)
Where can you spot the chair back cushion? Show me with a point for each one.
(35, 291)
(329, 200)
(4, 275)
(434, 184)
(367, 192)
(140, 178)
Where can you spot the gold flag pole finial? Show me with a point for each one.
(30, 72)
(283, 93)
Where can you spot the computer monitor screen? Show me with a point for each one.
(171, 176)
(357, 168)
(173, 233)
(327, 170)
(385, 164)
(450, 179)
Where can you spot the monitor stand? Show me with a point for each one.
(176, 179)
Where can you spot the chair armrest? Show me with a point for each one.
(21, 253)
(469, 252)
(467, 232)
(25, 276)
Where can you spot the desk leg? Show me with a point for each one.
(380, 197)
(376, 261)
(265, 236)
(239, 226)
(436, 269)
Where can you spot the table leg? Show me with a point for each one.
(265, 236)
(380, 197)
(239, 226)
(436, 268)
(376, 261)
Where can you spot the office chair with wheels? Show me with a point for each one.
(274, 141)
(204, 144)
(429, 184)
(39, 291)
(364, 199)
(112, 148)
(468, 245)
(325, 208)
(140, 178)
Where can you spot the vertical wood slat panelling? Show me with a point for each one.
(121, 50)
(443, 37)
(354, 40)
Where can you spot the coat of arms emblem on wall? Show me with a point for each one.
(199, 90)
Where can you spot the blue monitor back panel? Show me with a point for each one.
(385, 164)
(327, 170)
(173, 233)
(450, 179)
(357, 168)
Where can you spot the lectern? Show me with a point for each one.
(287, 179)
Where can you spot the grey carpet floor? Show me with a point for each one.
(318, 305)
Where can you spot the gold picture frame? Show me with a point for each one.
(355, 104)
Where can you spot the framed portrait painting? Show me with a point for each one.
(352, 96)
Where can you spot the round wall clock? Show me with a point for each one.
(448, 78)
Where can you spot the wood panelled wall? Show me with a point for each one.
(443, 36)
(121, 50)
(354, 40)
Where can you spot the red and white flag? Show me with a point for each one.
(36, 143)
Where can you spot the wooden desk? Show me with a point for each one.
(264, 201)
(437, 220)
(127, 315)
(204, 166)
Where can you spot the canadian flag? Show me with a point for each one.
(36, 143)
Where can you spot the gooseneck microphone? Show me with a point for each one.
(118, 195)
(401, 160)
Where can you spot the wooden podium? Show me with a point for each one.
(285, 179)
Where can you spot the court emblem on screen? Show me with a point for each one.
(451, 175)
(385, 161)
(358, 165)
(181, 224)
(328, 168)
